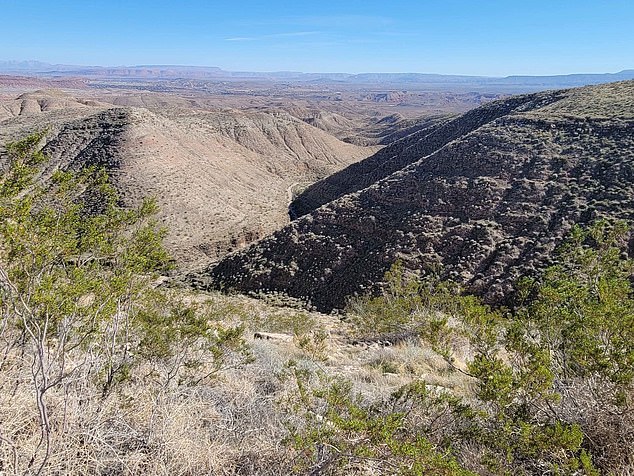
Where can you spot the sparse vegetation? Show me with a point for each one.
(340, 434)
(487, 196)
(104, 371)
(553, 378)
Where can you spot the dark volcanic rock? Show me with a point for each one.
(486, 202)
(409, 149)
(92, 141)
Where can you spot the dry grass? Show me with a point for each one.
(151, 424)
(229, 426)
(238, 422)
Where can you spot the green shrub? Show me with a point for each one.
(340, 434)
(76, 274)
(553, 377)
(409, 307)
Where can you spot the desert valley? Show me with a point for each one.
(206, 271)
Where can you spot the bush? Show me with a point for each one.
(553, 376)
(340, 434)
(408, 308)
(79, 305)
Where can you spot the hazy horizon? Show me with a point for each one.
(457, 37)
(183, 65)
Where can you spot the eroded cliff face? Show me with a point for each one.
(486, 203)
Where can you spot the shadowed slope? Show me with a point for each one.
(488, 207)
(409, 149)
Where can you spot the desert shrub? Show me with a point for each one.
(293, 322)
(582, 317)
(80, 308)
(339, 433)
(553, 376)
(409, 307)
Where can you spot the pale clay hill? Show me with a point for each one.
(222, 178)
(22, 108)
(486, 198)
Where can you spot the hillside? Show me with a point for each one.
(223, 178)
(486, 197)
(408, 149)
(134, 377)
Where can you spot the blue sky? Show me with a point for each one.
(481, 37)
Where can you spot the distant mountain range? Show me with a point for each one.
(158, 72)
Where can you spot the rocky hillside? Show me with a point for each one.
(486, 198)
(222, 178)
(402, 152)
